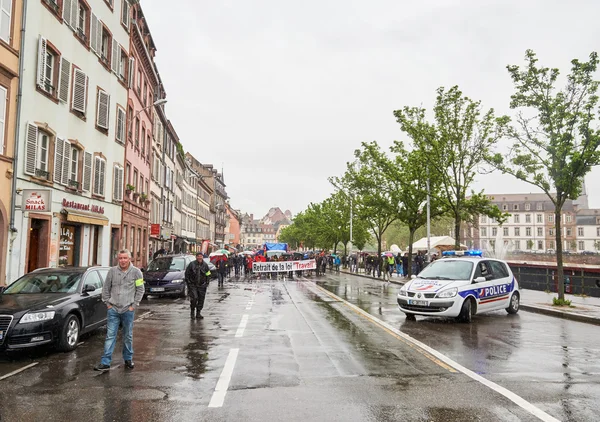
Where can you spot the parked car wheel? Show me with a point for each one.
(466, 314)
(513, 307)
(184, 292)
(69, 335)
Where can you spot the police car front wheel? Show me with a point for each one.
(466, 311)
(513, 306)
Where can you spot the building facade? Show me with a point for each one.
(72, 134)
(588, 230)
(233, 228)
(142, 83)
(10, 40)
(530, 226)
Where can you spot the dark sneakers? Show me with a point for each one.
(101, 367)
(129, 364)
(198, 316)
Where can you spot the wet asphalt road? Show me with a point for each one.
(286, 350)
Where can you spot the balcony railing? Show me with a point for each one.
(42, 173)
(53, 5)
(73, 184)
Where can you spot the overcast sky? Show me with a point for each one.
(280, 93)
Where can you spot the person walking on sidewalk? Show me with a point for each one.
(222, 270)
(122, 292)
(197, 277)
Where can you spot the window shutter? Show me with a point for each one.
(116, 50)
(118, 183)
(125, 14)
(65, 77)
(79, 91)
(102, 177)
(74, 14)
(41, 62)
(93, 31)
(97, 175)
(31, 149)
(66, 163)
(98, 35)
(103, 112)
(87, 171)
(131, 72)
(59, 149)
(120, 125)
(67, 10)
(3, 98)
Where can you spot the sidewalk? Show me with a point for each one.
(583, 309)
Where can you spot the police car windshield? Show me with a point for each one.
(448, 269)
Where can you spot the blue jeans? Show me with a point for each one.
(114, 319)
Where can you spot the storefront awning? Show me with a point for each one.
(87, 218)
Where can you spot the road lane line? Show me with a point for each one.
(518, 400)
(242, 327)
(218, 397)
(18, 371)
(144, 315)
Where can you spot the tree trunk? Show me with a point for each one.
(559, 250)
(411, 240)
(456, 232)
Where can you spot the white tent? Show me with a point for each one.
(421, 244)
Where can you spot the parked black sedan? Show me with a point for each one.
(52, 306)
(165, 275)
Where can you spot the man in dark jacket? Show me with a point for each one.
(197, 276)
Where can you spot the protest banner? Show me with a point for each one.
(283, 266)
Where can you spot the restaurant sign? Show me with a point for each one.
(37, 200)
(82, 207)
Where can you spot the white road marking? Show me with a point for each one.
(518, 400)
(18, 371)
(144, 315)
(218, 397)
(242, 327)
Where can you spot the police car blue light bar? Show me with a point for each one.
(463, 253)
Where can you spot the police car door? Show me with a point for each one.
(484, 289)
(502, 284)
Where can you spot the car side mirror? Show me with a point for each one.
(479, 280)
(88, 288)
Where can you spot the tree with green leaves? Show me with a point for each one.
(375, 194)
(455, 145)
(409, 177)
(555, 137)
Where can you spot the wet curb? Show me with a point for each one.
(561, 314)
(399, 283)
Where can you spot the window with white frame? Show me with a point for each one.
(528, 218)
(48, 67)
(517, 245)
(539, 218)
(540, 231)
(569, 232)
(494, 231)
(103, 109)
(37, 152)
(505, 231)
(528, 231)
(515, 207)
(121, 122)
(540, 245)
(527, 207)
(581, 245)
(517, 218)
(551, 232)
(5, 20)
(517, 231)
(579, 231)
(483, 219)
(79, 93)
(74, 167)
(504, 207)
(540, 206)
(484, 231)
(87, 171)
(569, 218)
(550, 218)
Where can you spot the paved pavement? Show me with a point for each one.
(582, 309)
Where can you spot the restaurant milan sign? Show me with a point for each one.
(284, 266)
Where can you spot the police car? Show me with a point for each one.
(460, 285)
